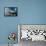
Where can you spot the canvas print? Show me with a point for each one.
(10, 11)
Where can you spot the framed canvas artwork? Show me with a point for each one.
(10, 11)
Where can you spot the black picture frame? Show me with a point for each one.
(11, 11)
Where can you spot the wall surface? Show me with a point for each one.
(29, 12)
